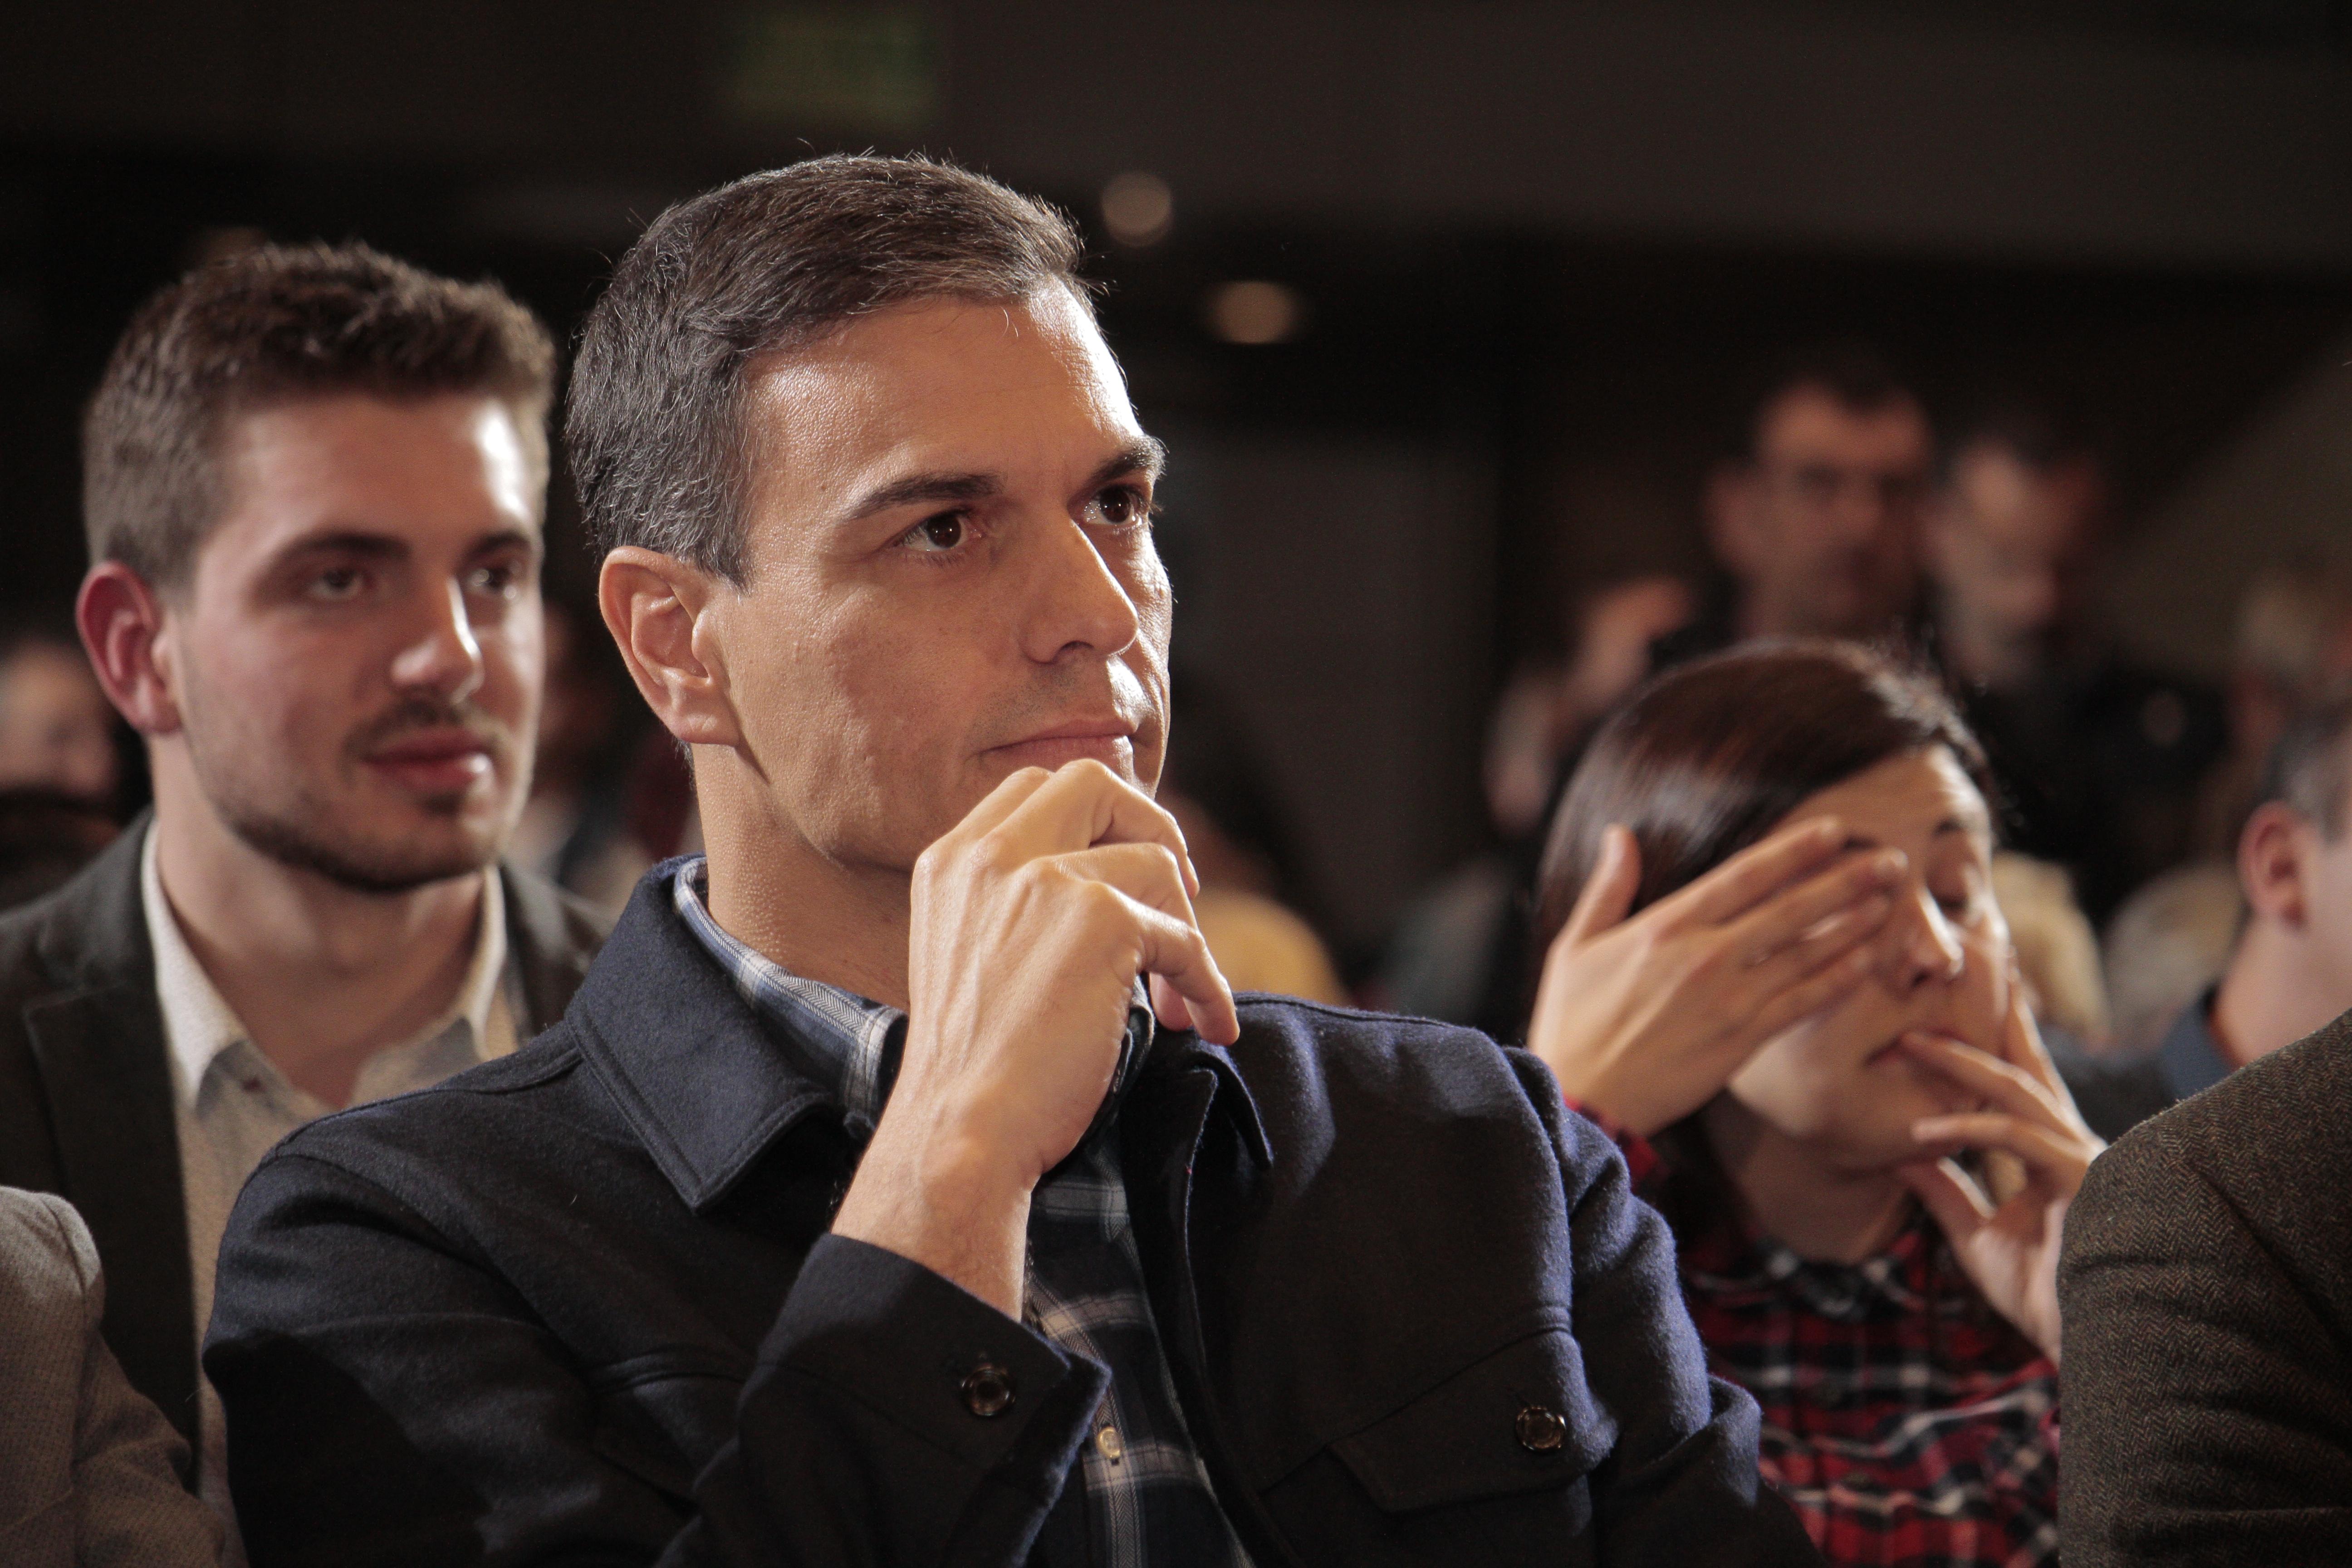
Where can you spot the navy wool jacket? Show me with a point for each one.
(581, 1306)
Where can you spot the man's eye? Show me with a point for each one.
(935, 534)
(337, 582)
(498, 580)
(1121, 506)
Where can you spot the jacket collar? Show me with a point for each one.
(705, 1082)
(93, 930)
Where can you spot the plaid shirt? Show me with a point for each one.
(1148, 1497)
(1905, 1419)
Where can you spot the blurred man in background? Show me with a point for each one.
(2100, 759)
(2290, 971)
(1815, 520)
(314, 486)
(2170, 941)
(59, 767)
(56, 731)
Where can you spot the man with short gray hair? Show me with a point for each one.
(905, 1185)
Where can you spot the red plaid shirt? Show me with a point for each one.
(1905, 1419)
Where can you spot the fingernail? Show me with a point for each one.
(1888, 864)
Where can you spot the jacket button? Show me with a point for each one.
(988, 1390)
(1540, 1431)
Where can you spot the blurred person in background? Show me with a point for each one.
(2290, 966)
(1841, 1107)
(1461, 951)
(314, 485)
(1814, 521)
(56, 728)
(2097, 760)
(1251, 887)
(576, 829)
(2057, 952)
(60, 762)
(2170, 941)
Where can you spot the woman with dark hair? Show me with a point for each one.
(1863, 1148)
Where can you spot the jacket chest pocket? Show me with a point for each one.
(1490, 1466)
(662, 1417)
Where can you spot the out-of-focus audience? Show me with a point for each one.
(1461, 953)
(60, 763)
(576, 829)
(2057, 951)
(314, 485)
(1251, 887)
(2289, 970)
(2167, 943)
(56, 728)
(1814, 519)
(2097, 760)
(1778, 972)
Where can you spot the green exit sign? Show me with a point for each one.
(850, 68)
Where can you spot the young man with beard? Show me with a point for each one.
(315, 482)
(862, 1210)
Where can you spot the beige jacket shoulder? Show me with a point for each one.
(86, 1474)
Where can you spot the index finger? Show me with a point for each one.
(1084, 804)
(1756, 872)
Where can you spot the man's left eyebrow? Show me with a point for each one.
(347, 542)
(507, 539)
(1147, 456)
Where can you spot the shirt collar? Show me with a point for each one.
(848, 1045)
(2191, 1055)
(852, 1045)
(199, 1024)
(1734, 1264)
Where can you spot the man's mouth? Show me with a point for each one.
(1110, 742)
(444, 761)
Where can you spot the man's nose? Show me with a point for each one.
(1076, 603)
(441, 657)
(1921, 947)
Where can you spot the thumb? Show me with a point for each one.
(1608, 891)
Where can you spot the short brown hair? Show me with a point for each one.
(2309, 771)
(265, 326)
(771, 262)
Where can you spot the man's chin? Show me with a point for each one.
(438, 851)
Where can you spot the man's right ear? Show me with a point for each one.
(2271, 863)
(654, 606)
(122, 620)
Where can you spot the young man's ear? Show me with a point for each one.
(129, 640)
(657, 608)
(2271, 855)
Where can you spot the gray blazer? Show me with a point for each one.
(88, 1469)
(2208, 1293)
